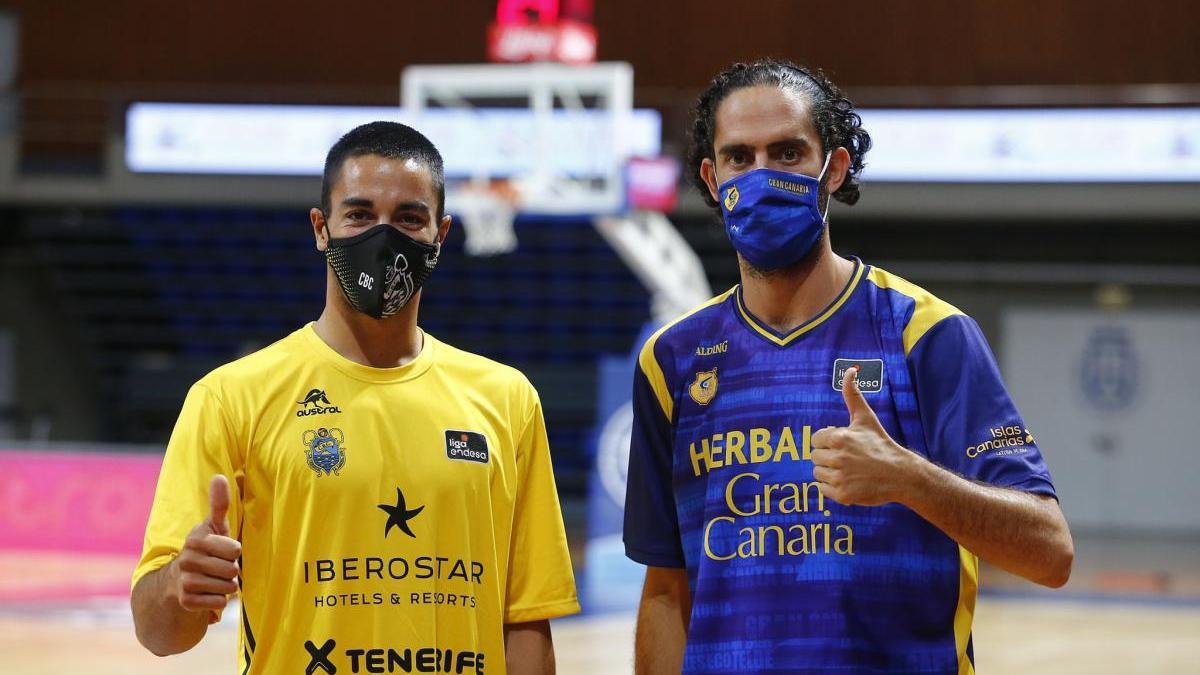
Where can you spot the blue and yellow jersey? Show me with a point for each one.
(721, 480)
(391, 519)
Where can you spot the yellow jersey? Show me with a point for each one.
(392, 520)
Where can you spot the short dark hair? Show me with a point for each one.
(837, 123)
(390, 140)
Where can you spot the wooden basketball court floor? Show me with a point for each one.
(1011, 636)
(1131, 607)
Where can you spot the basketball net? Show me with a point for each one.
(486, 214)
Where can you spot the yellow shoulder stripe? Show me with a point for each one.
(650, 365)
(928, 311)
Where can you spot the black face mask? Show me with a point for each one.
(381, 269)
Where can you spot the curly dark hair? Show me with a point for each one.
(833, 115)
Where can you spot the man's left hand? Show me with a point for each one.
(860, 464)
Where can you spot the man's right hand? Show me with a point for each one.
(206, 570)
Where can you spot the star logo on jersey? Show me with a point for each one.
(731, 197)
(399, 515)
(704, 387)
(325, 450)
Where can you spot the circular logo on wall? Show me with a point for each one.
(612, 453)
(1109, 372)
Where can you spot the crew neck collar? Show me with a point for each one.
(408, 371)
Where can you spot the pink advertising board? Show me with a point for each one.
(75, 501)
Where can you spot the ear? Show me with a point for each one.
(320, 228)
(444, 228)
(708, 173)
(839, 167)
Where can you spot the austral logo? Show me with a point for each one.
(468, 446)
(315, 402)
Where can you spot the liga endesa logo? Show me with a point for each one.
(870, 374)
(387, 660)
(469, 446)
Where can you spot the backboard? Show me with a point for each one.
(555, 137)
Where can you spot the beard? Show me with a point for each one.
(800, 268)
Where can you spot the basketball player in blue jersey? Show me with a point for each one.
(822, 454)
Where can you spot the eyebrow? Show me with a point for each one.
(357, 201)
(743, 147)
(413, 206)
(416, 205)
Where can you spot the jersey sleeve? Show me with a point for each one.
(541, 581)
(202, 445)
(651, 522)
(972, 426)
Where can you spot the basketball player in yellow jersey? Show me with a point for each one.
(383, 502)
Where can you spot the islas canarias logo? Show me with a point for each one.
(1003, 440)
(731, 197)
(704, 387)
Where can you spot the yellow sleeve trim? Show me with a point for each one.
(968, 585)
(152, 565)
(547, 610)
(928, 311)
(654, 371)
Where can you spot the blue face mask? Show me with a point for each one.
(773, 217)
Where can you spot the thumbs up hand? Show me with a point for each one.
(860, 464)
(206, 570)
(218, 505)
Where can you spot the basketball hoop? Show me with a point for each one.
(486, 213)
(564, 149)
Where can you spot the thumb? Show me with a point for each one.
(860, 411)
(218, 502)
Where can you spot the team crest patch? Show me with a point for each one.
(731, 198)
(704, 387)
(326, 450)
